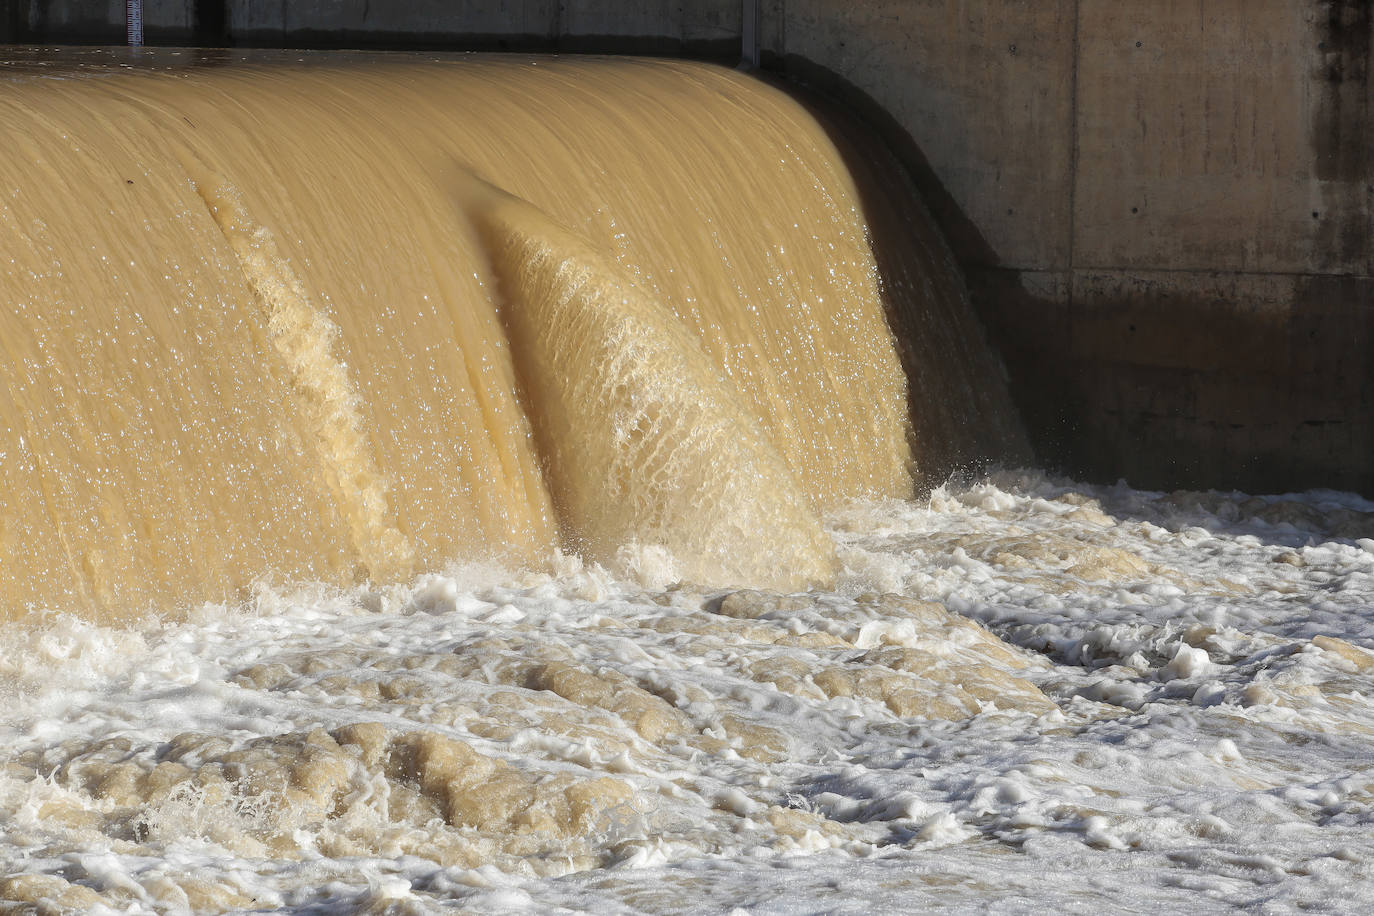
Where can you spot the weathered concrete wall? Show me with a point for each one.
(1165, 210)
(96, 21)
(708, 28)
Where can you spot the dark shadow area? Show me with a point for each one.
(1192, 380)
(1173, 379)
(719, 50)
(1342, 130)
(962, 415)
(926, 246)
(210, 23)
(1210, 383)
(965, 239)
(210, 28)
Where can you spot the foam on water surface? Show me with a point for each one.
(1024, 693)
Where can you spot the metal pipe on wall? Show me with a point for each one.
(749, 34)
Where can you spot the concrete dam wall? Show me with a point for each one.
(1164, 212)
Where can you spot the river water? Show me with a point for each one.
(1022, 694)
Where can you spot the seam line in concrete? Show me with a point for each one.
(1073, 141)
(1073, 173)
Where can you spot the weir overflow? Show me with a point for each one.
(352, 318)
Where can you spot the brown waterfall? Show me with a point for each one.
(347, 318)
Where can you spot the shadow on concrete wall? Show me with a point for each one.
(962, 414)
(1200, 381)
(997, 297)
(210, 27)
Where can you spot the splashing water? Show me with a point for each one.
(1023, 692)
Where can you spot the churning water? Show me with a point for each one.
(1022, 694)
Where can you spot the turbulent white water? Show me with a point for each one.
(1168, 711)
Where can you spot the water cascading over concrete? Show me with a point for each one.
(354, 318)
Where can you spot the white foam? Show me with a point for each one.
(1207, 737)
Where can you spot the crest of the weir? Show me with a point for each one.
(356, 317)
